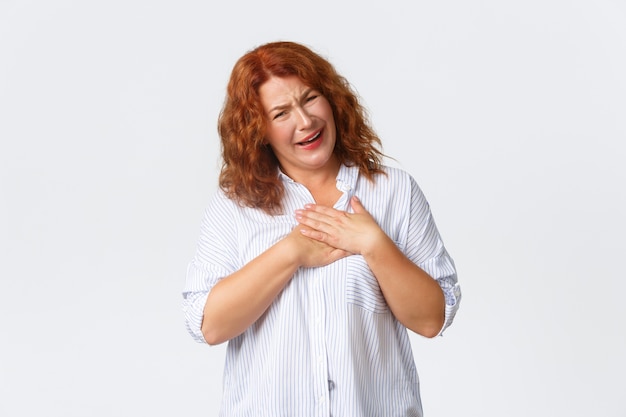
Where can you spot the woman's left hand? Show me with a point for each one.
(356, 232)
(414, 298)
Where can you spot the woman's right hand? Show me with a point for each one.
(310, 252)
(239, 299)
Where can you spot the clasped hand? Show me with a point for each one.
(334, 234)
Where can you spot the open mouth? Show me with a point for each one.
(310, 141)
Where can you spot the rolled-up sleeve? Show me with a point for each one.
(214, 259)
(425, 247)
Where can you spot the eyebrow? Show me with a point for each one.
(284, 106)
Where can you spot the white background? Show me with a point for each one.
(510, 115)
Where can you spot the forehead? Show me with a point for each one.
(277, 90)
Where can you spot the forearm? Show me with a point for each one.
(413, 296)
(241, 298)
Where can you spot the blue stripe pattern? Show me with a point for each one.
(328, 345)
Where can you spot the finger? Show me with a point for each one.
(327, 211)
(338, 254)
(356, 205)
(315, 218)
(314, 234)
(315, 221)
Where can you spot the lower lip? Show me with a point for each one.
(313, 145)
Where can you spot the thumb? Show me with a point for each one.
(356, 205)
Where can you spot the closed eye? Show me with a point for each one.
(278, 115)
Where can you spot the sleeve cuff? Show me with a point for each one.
(193, 308)
(452, 294)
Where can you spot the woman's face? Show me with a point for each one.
(300, 126)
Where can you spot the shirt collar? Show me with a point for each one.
(284, 177)
(347, 177)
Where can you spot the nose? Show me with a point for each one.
(303, 119)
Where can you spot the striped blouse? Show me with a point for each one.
(328, 345)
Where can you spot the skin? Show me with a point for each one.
(301, 131)
(297, 113)
(414, 298)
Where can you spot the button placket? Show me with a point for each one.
(318, 344)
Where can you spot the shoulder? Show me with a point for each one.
(230, 211)
(393, 185)
(395, 172)
(219, 201)
(219, 209)
(394, 177)
(401, 184)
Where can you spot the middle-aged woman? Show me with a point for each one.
(314, 258)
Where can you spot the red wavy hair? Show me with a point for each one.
(249, 168)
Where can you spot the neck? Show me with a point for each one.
(317, 179)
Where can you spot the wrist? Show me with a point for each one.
(287, 249)
(375, 243)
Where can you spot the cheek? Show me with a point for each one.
(277, 136)
(328, 114)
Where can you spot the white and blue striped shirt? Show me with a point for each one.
(328, 345)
